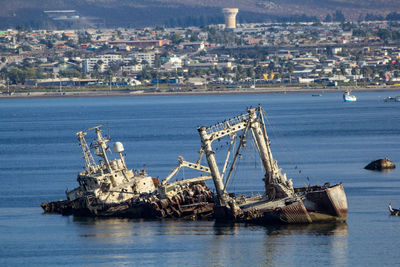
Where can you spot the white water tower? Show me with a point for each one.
(230, 17)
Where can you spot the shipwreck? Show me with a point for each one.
(108, 188)
(281, 202)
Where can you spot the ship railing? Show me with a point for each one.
(223, 125)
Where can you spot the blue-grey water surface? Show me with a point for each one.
(321, 138)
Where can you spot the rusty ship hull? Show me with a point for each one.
(195, 202)
(314, 205)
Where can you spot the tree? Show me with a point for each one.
(70, 73)
(20, 27)
(157, 62)
(271, 66)
(338, 16)
(194, 37)
(26, 48)
(328, 18)
(343, 70)
(366, 71)
(97, 66)
(70, 54)
(175, 38)
(108, 75)
(84, 37)
(64, 37)
(16, 75)
(115, 66)
(393, 16)
(49, 44)
(347, 26)
(71, 43)
(384, 34)
(373, 17)
(359, 32)
(354, 71)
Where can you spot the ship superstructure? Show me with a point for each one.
(108, 188)
(108, 181)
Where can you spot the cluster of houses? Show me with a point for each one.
(297, 53)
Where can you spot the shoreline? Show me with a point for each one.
(261, 90)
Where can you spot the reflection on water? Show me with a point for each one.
(168, 242)
(383, 170)
(331, 240)
(111, 230)
(172, 227)
(226, 228)
(285, 245)
(339, 229)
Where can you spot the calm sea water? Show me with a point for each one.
(318, 139)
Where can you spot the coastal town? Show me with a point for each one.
(199, 133)
(217, 57)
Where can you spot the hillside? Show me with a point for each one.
(138, 13)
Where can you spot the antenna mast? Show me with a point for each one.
(87, 155)
(101, 146)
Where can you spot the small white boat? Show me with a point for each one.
(347, 97)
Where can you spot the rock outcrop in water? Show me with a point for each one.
(380, 164)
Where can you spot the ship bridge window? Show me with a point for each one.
(105, 187)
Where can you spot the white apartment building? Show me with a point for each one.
(148, 57)
(103, 61)
(132, 68)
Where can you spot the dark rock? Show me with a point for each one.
(380, 164)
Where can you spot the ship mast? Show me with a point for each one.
(215, 132)
(276, 184)
(212, 163)
(101, 146)
(87, 155)
(262, 146)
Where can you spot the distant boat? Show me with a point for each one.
(347, 97)
(392, 99)
(316, 95)
(253, 86)
(393, 211)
